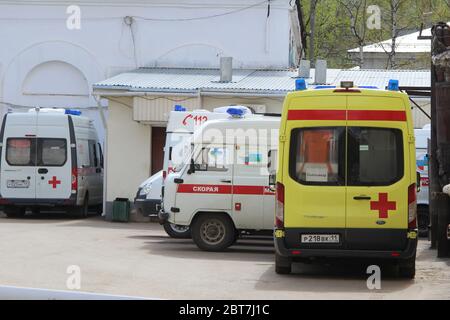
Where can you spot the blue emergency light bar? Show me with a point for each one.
(300, 84)
(73, 112)
(325, 87)
(179, 108)
(235, 112)
(393, 85)
(368, 87)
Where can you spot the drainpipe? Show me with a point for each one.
(199, 98)
(105, 152)
(100, 108)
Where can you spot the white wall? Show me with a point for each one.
(44, 63)
(127, 151)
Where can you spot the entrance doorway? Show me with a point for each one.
(158, 142)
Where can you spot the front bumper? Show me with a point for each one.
(163, 216)
(148, 207)
(299, 252)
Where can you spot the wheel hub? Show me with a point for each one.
(212, 232)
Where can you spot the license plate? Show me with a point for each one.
(18, 183)
(319, 238)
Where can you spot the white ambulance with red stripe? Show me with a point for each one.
(180, 127)
(50, 158)
(222, 187)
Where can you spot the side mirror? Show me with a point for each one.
(272, 158)
(191, 167)
(272, 182)
(418, 181)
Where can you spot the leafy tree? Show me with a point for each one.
(339, 25)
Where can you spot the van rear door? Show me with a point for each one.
(315, 187)
(53, 168)
(378, 173)
(18, 157)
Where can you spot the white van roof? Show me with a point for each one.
(224, 126)
(189, 121)
(48, 113)
(422, 136)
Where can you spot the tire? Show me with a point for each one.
(98, 209)
(423, 217)
(443, 244)
(176, 231)
(83, 210)
(283, 265)
(213, 232)
(407, 269)
(14, 212)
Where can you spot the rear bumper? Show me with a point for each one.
(340, 251)
(38, 202)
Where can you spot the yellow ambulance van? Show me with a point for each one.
(346, 178)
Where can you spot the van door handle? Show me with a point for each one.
(42, 170)
(361, 198)
(225, 181)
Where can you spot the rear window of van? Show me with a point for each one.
(375, 156)
(50, 152)
(53, 151)
(319, 155)
(358, 156)
(19, 151)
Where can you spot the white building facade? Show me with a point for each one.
(52, 52)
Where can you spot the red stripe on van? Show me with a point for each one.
(204, 188)
(223, 189)
(374, 115)
(316, 115)
(377, 115)
(248, 190)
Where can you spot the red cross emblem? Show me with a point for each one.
(54, 182)
(383, 205)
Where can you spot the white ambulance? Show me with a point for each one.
(180, 127)
(222, 188)
(422, 137)
(50, 158)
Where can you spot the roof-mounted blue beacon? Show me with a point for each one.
(179, 108)
(73, 112)
(300, 84)
(235, 112)
(393, 85)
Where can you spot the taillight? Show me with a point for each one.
(74, 179)
(412, 207)
(279, 213)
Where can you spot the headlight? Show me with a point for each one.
(146, 189)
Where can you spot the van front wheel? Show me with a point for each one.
(177, 231)
(213, 232)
